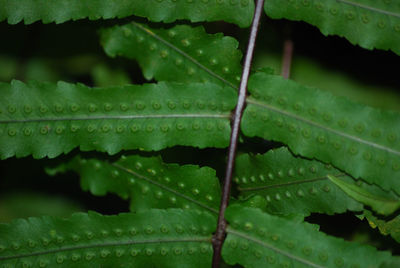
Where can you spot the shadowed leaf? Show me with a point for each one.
(149, 182)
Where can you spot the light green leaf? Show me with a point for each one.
(46, 119)
(368, 23)
(149, 182)
(291, 184)
(362, 141)
(173, 238)
(257, 239)
(182, 53)
(380, 204)
(58, 11)
(385, 226)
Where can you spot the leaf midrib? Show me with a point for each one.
(289, 183)
(370, 8)
(184, 54)
(109, 244)
(268, 246)
(325, 128)
(115, 117)
(131, 172)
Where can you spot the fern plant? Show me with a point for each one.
(332, 155)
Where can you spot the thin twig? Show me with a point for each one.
(220, 234)
(287, 58)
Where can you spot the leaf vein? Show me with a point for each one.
(277, 250)
(369, 8)
(162, 116)
(328, 129)
(164, 187)
(109, 244)
(184, 54)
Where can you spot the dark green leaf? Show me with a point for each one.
(368, 23)
(182, 53)
(46, 119)
(358, 139)
(156, 238)
(149, 182)
(58, 11)
(291, 184)
(257, 239)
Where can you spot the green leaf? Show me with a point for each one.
(257, 239)
(368, 23)
(358, 139)
(149, 182)
(182, 53)
(58, 11)
(173, 238)
(380, 204)
(385, 226)
(46, 119)
(291, 184)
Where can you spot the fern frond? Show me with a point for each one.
(291, 184)
(257, 239)
(149, 182)
(59, 11)
(358, 139)
(368, 23)
(182, 53)
(173, 238)
(46, 119)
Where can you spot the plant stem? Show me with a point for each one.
(220, 234)
(287, 58)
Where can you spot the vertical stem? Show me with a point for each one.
(220, 234)
(287, 54)
(287, 58)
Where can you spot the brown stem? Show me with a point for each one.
(220, 234)
(287, 58)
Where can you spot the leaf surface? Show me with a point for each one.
(58, 11)
(47, 119)
(380, 204)
(291, 184)
(362, 141)
(257, 239)
(182, 53)
(368, 23)
(173, 238)
(149, 182)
